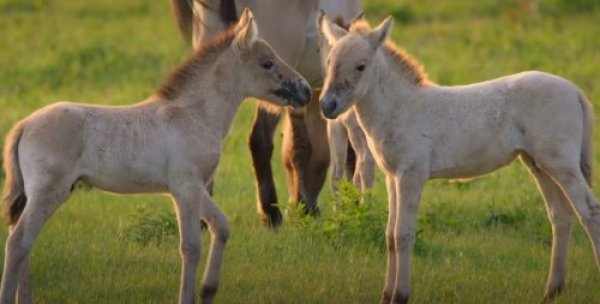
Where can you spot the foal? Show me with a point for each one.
(167, 144)
(290, 27)
(419, 131)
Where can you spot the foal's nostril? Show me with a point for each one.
(328, 106)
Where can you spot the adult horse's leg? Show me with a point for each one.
(187, 209)
(559, 214)
(217, 221)
(296, 149)
(319, 158)
(42, 202)
(261, 147)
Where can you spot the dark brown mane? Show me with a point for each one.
(177, 80)
(408, 64)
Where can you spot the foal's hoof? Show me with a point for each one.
(208, 294)
(385, 299)
(552, 293)
(400, 299)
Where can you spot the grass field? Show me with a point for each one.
(483, 242)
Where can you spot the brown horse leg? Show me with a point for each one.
(296, 150)
(261, 147)
(316, 168)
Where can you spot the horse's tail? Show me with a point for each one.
(183, 11)
(586, 162)
(184, 16)
(14, 189)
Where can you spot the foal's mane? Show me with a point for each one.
(408, 64)
(177, 80)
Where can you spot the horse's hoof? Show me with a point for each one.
(273, 218)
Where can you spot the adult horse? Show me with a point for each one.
(419, 131)
(169, 143)
(290, 27)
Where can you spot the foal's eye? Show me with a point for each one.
(267, 64)
(360, 67)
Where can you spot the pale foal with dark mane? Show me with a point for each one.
(170, 143)
(290, 27)
(419, 131)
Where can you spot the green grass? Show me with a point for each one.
(482, 242)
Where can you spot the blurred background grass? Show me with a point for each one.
(483, 242)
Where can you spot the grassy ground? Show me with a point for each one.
(484, 242)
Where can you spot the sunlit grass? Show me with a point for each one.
(482, 242)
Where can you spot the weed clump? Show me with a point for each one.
(151, 227)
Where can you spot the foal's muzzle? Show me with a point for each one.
(329, 106)
(297, 93)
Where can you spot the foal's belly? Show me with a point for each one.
(126, 181)
(473, 163)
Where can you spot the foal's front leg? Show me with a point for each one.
(187, 208)
(409, 185)
(390, 276)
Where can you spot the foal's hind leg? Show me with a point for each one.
(559, 214)
(219, 229)
(585, 205)
(338, 145)
(41, 204)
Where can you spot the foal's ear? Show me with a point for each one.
(360, 17)
(246, 32)
(329, 30)
(377, 36)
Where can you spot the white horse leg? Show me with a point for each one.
(24, 294)
(364, 174)
(24, 285)
(338, 145)
(408, 191)
(559, 214)
(390, 276)
(582, 199)
(217, 221)
(18, 244)
(187, 208)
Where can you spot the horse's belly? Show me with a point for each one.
(126, 182)
(471, 164)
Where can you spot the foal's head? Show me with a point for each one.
(265, 75)
(348, 64)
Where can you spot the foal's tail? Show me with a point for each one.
(587, 154)
(14, 190)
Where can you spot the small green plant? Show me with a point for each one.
(513, 217)
(151, 227)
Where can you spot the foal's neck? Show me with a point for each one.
(211, 99)
(390, 92)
